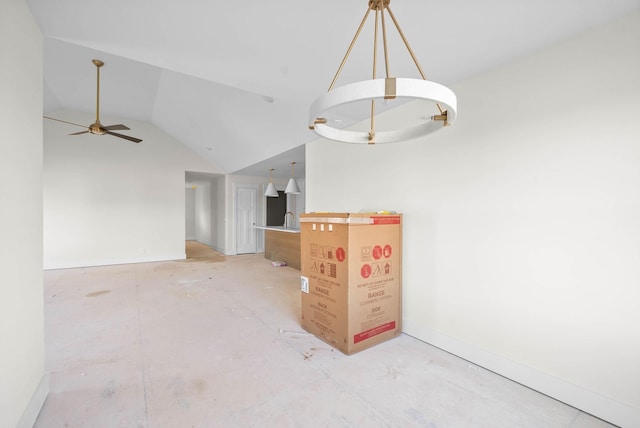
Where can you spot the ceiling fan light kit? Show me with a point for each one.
(97, 128)
(387, 88)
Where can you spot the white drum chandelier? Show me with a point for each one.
(382, 89)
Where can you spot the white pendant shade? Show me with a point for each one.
(292, 187)
(271, 191)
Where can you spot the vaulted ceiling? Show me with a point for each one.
(233, 80)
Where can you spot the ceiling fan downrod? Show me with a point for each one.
(95, 128)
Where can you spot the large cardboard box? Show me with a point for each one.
(351, 278)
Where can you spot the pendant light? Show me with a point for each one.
(292, 186)
(324, 111)
(271, 191)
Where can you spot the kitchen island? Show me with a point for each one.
(282, 244)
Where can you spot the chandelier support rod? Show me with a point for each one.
(413, 56)
(353, 42)
(406, 43)
(372, 131)
(375, 46)
(386, 51)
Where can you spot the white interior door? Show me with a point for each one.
(246, 212)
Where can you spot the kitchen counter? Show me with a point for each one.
(282, 244)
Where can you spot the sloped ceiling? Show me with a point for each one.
(234, 80)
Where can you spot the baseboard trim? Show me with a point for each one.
(38, 398)
(598, 405)
(108, 262)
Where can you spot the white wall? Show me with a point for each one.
(110, 201)
(522, 232)
(220, 214)
(203, 213)
(190, 213)
(213, 188)
(24, 385)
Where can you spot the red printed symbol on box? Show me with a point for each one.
(340, 254)
(387, 251)
(377, 252)
(365, 271)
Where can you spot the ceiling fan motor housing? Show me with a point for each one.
(96, 128)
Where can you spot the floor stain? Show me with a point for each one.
(179, 388)
(98, 293)
(417, 416)
(108, 390)
(200, 385)
(393, 372)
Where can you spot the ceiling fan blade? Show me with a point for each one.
(126, 137)
(64, 121)
(117, 128)
(81, 132)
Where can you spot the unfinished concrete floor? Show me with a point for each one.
(215, 341)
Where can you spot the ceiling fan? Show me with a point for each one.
(97, 128)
